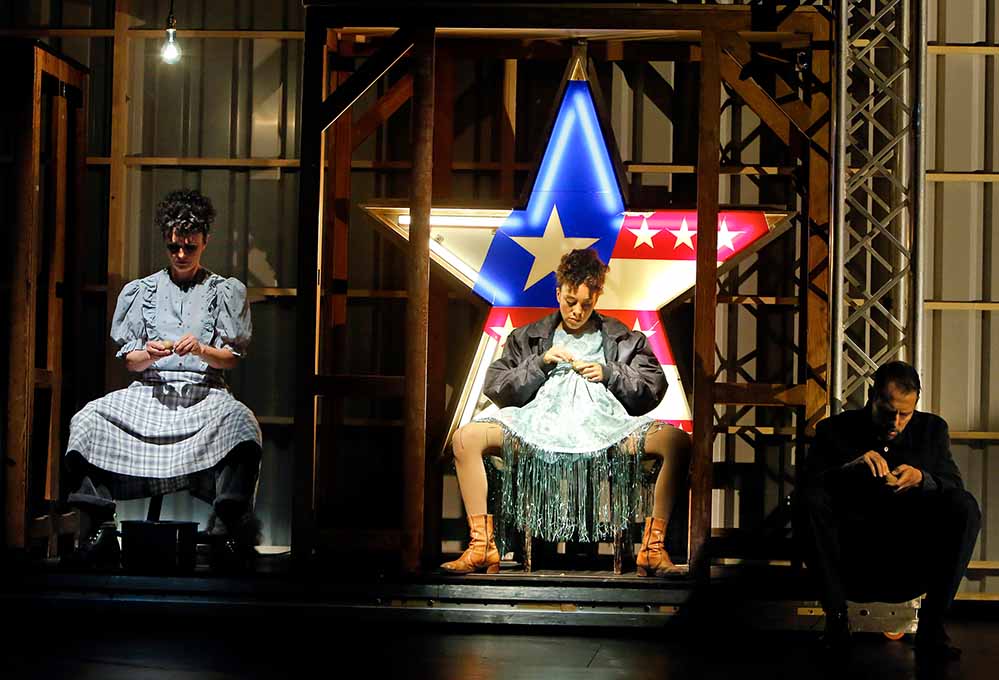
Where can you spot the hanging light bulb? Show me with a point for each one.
(170, 52)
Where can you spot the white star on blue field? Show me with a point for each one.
(575, 203)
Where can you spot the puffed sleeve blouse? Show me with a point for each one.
(211, 307)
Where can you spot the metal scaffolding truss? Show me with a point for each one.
(879, 187)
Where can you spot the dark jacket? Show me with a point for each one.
(632, 372)
(924, 444)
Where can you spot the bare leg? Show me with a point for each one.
(470, 443)
(672, 446)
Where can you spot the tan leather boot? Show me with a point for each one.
(481, 554)
(653, 560)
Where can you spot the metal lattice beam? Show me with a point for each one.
(877, 281)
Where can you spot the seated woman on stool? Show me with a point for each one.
(176, 426)
(572, 389)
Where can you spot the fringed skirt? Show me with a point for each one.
(560, 496)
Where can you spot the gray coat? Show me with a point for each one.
(632, 372)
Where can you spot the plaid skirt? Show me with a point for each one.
(161, 430)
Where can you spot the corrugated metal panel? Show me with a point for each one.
(962, 381)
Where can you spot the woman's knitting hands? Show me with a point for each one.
(558, 354)
(590, 370)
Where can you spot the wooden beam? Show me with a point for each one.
(496, 17)
(333, 262)
(508, 128)
(758, 300)
(654, 86)
(199, 162)
(959, 176)
(25, 88)
(199, 34)
(758, 394)
(706, 290)
(314, 76)
(961, 305)
(815, 242)
(974, 436)
(418, 304)
(382, 110)
(769, 111)
(374, 67)
(359, 385)
(56, 256)
(437, 311)
(962, 48)
(729, 169)
(58, 33)
(118, 202)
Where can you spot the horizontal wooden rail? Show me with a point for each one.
(962, 48)
(58, 32)
(172, 161)
(963, 305)
(758, 300)
(235, 34)
(346, 385)
(961, 176)
(759, 394)
(974, 436)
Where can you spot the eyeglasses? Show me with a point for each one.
(189, 248)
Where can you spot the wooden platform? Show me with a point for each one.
(756, 596)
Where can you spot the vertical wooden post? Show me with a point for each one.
(25, 242)
(417, 308)
(705, 299)
(508, 128)
(119, 174)
(816, 298)
(57, 269)
(437, 332)
(333, 264)
(309, 231)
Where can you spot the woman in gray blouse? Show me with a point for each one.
(176, 426)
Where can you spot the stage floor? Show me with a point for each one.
(215, 648)
(744, 596)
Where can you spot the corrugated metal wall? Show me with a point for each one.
(961, 380)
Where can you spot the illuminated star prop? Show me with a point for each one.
(509, 256)
(549, 248)
(644, 235)
(684, 236)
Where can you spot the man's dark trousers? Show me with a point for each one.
(864, 542)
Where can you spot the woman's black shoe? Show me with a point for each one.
(99, 551)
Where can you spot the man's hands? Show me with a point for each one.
(875, 462)
(902, 478)
(906, 477)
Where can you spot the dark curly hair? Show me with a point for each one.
(185, 211)
(582, 266)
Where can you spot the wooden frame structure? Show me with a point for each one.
(48, 163)
(720, 38)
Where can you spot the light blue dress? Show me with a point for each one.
(571, 414)
(571, 456)
(179, 417)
